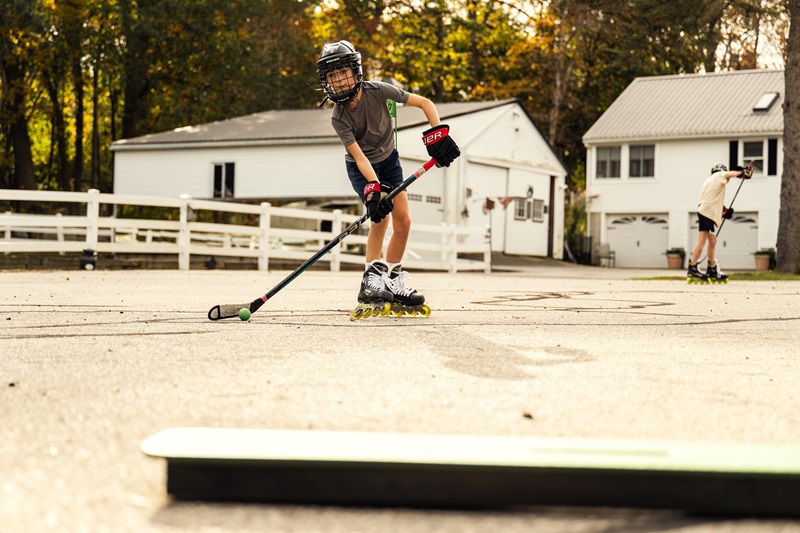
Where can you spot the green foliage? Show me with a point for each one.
(679, 251)
(79, 74)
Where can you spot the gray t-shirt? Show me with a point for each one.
(369, 124)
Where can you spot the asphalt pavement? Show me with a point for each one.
(93, 363)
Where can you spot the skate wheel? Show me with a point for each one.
(355, 315)
(426, 311)
(386, 309)
(398, 312)
(376, 311)
(413, 312)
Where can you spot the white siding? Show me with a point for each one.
(495, 143)
(680, 169)
(262, 171)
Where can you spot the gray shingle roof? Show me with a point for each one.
(283, 126)
(692, 105)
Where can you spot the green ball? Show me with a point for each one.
(244, 313)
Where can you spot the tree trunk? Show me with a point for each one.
(14, 78)
(95, 127)
(77, 164)
(59, 132)
(788, 250)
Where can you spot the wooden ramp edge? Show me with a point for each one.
(397, 469)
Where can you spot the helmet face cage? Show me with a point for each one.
(339, 71)
(719, 167)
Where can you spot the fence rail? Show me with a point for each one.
(58, 233)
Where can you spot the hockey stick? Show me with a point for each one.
(748, 169)
(218, 312)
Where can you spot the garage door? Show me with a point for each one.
(639, 241)
(737, 240)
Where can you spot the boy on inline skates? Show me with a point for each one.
(710, 212)
(361, 118)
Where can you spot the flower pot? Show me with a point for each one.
(762, 261)
(675, 261)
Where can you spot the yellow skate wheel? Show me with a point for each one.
(386, 309)
(426, 311)
(355, 315)
(398, 312)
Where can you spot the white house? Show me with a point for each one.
(508, 177)
(649, 153)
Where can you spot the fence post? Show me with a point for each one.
(453, 249)
(487, 254)
(336, 253)
(60, 232)
(264, 224)
(443, 241)
(92, 218)
(7, 230)
(184, 236)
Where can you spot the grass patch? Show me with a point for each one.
(767, 275)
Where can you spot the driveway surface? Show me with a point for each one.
(92, 363)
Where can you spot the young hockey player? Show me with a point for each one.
(710, 212)
(361, 118)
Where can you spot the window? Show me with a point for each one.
(765, 102)
(642, 159)
(412, 197)
(433, 199)
(538, 210)
(223, 180)
(520, 207)
(608, 159)
(754, 151)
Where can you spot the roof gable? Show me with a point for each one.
(693, 105)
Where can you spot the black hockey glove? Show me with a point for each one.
(440, 145)
(727, 212)
(377, 207)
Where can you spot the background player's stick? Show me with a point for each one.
(748, 169)
(221, 311)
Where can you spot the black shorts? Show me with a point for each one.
(705, 223)
(388, 171)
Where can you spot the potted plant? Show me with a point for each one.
(675, 257)
(765, 259)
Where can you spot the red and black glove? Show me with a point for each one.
(727, 212)
(377, 207)
(440, 145)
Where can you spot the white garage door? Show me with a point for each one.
(737, 240)
(639, 241)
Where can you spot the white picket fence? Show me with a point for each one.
(184, 237)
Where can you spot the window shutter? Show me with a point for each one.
(733, 159)
(772, 157)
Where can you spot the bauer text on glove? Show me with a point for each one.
(440, 145)
(377, 207)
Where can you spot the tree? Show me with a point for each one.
(788, 250)
(20, 37)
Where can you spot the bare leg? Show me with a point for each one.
(702, 237)
(401, 227)
(712, 249)
(375, 239)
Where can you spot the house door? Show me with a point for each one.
(639, 241)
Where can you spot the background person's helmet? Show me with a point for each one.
(337, 56)
(718, 167)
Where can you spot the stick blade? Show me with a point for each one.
(218, 312)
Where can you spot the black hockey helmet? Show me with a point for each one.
(719, 167)
(338, 56)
